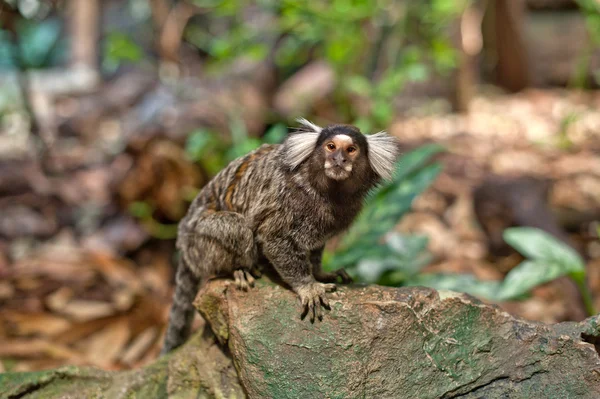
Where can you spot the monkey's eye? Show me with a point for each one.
(330, 146)
(351, 150)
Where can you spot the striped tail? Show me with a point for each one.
(182, 311)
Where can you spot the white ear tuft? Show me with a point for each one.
(383, 152)
(306, 123)
(298, 146)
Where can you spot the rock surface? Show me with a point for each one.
(375, 342)
(379, 342)
(199, 370)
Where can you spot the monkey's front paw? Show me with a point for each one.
(312, 296)
(332, 277)
(243, 279)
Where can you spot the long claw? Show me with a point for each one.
(346, 279)
(304, 308)
(319, 311)
(249, 278)
(238, 280)
(329, 287)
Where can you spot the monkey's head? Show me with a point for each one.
(341, 153)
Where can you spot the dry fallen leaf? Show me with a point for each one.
(36, 348)
(139, 346)
(83, 310)
(117, 272)
(59, 299)
(104, 347)
(6, 290)
(35, 323)
(64, 271)
(81, 330)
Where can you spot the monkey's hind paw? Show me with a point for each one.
(256, 271)
(313, 299)
(243, 279)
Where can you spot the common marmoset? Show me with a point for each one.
(281, 202)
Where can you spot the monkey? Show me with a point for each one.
(280, 202)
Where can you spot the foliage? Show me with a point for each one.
(213, 153)
(377, 46)
(591, 12)
(487, 289)
(37, 44)
(547, 259)
(144, 212)
(563, 140)
(369, 249)
(118, 49)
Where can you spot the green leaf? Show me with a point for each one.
(539, 245)
(338, 51)
(276, 134)
(199, 143)
(119, 49)
(141, 209)
(8, 51)
(205, 147)
(37, 40)
(417, 72)
(359, 84)
(460, 283)
(257, 51)
(444, 55)
(382, 112)
(383, 211)
(363, 123)
(404, 256)
(409, 163)
(529, 274)
(243, 148)
(550, 259)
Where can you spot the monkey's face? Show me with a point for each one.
(339, 159)
(341, 153)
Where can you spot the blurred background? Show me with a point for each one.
(114, 113)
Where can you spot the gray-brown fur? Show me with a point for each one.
(275, 203)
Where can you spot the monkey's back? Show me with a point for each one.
(243, 186)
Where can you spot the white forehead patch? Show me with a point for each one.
(343, 138)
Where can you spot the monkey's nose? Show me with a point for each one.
(339, 161)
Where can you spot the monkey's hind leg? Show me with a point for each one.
(221, 243)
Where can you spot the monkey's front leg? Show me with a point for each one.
(327, 277)
(294, 267)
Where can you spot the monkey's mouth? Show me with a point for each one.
(337, 172)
